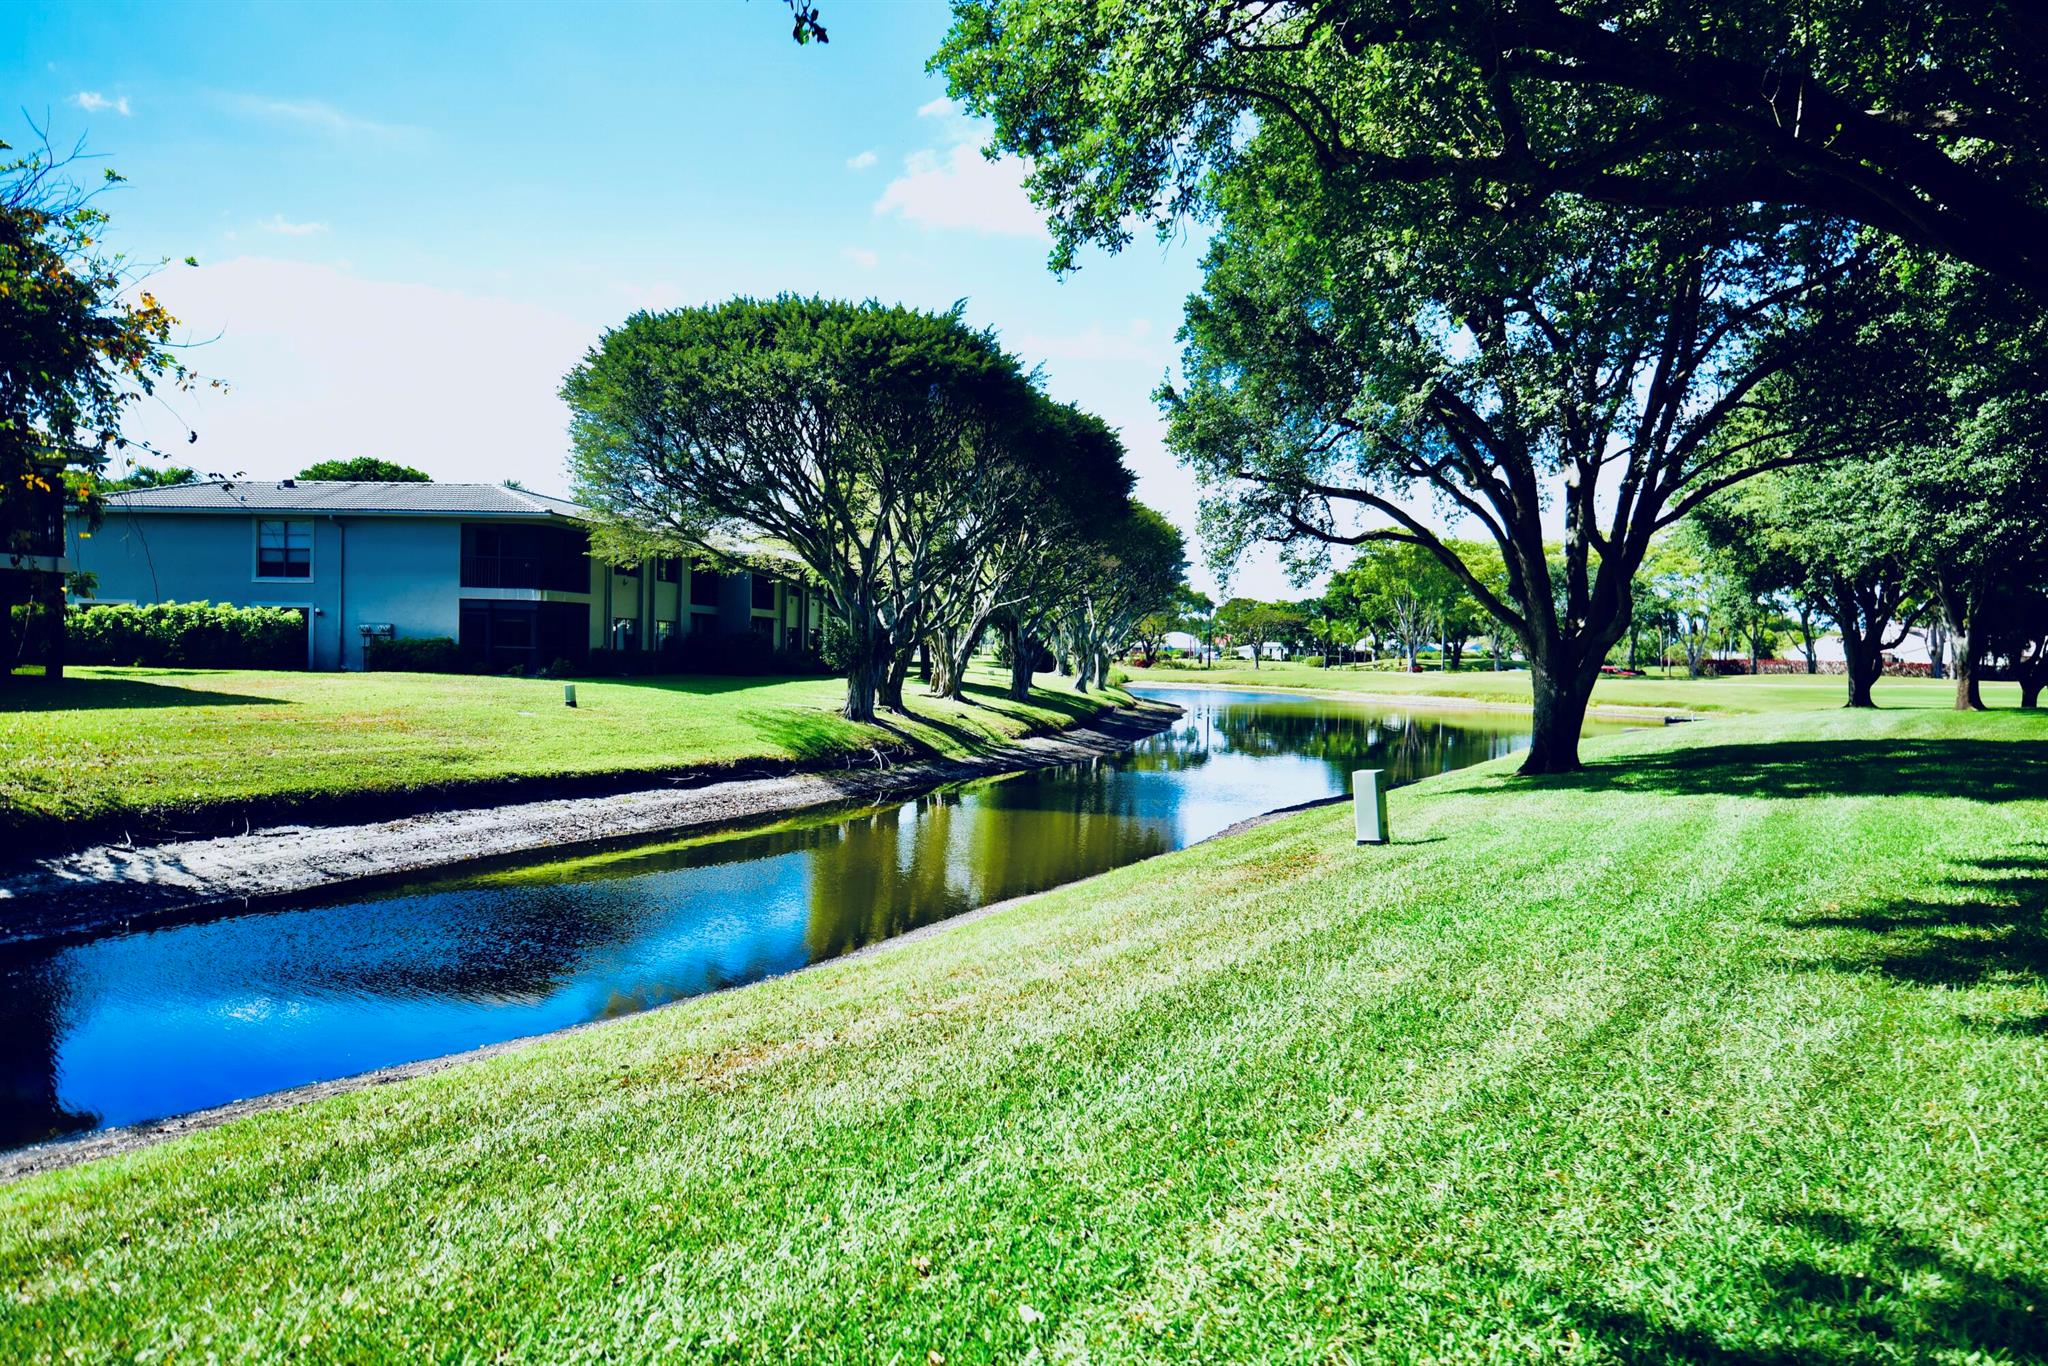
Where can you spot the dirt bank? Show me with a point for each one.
(110, 885)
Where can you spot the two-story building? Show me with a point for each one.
(506, 573)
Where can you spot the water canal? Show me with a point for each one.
(144, 1023)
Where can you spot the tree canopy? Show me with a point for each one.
(1923, 120)
(367, 469)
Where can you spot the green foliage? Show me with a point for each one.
(1902, 117)
(139, 476)
(366, 468)
(195, 635)
(412, 654)
(885, 448)
(1248, 621)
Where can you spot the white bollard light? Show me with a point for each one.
(1369, 804)
(568, 694)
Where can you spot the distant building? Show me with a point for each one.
(504, 572)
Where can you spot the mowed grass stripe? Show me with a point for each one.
(1613, 1065)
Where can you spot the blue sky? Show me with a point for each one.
(412, 219)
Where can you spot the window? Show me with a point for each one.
(532, 635)
(765, 628)
(667, 569)
(625, 633)
(284, 550)
(704, 587)
(507, 555)
(764, 592)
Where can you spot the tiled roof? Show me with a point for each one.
(337, 495)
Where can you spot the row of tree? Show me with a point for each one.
(929, 488)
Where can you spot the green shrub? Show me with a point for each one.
(412, 654)
(190, 635)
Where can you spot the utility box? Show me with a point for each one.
(1369, 804)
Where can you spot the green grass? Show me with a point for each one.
(1765, 693)
(111, 744)
(1732, 1049)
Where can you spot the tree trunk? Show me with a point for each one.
(862, 680)
(53, 628)
(1958, 606)
(2030, 693)
(893, 676)
(1023, 650)
(1863, 663)
(1969, 686)
(1561, 698)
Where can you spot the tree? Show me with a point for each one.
(1249, 621)
(1073, 485)
(368, 469)
(1134, 567)
(861, 437)
(1923, 120)
(80, 341)
(149, 477)
(1843, 535)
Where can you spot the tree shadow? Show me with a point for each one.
(1976, 770)
(1985, 921)
(809, 736)
(1853, 1291)
(114, 694)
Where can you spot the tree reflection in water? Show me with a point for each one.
(128, 1026)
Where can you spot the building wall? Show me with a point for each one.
(400, 572)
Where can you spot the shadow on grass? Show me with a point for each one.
(1852, 1292)
(1986, 921)
(811, 736)
(110, 694)
(1977, 770)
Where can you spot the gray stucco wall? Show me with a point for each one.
(397, 570)
(405, 572)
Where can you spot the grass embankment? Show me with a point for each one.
(1766, 693)
(113, 744)
(1734, 1048)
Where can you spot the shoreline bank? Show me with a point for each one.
(112, 885)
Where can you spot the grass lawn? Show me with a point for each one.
(1768, 692)
(113, 743)
(1732, 1049)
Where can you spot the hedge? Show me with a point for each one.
(412, 654)
(191, 635)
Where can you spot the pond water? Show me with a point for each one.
(145, 1023)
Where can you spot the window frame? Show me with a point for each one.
(256, 525)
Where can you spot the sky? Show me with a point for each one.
(412, 220)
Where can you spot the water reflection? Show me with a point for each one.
(130, 1026)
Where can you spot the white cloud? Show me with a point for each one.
(284, 227)
(861, 161)
(863, 257)
(319, 114)
(93, 102)
(960, 188)
(324, 363)
(1134, 342)
(955, 186)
